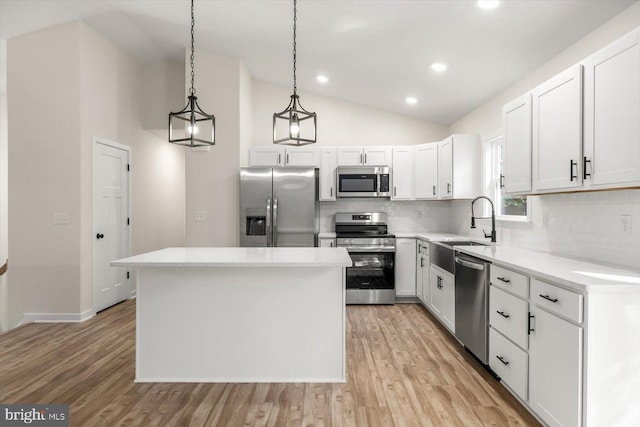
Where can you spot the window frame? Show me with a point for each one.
(491, 141)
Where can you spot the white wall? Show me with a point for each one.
(340, 122)
(584, 225)
(6, 320)
(90, 88)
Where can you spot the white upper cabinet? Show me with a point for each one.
(425, 171)
(302, 156)
(270, 155)
(402, 173)
(516, 122)
(328, 163)
(358, 156)
(445, 168)
(612, 114)
(557, 132)
(459, 167)
(377, 156)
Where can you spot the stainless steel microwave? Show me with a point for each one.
(363, 181)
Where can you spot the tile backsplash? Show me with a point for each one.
(432, 216)
(584, 225)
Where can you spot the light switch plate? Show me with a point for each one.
(199, 216)
(60, 218)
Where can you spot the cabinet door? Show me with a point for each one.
(419, 267)
(448, 301)
(377, 156)
(445, 168)
(301, 156)
(328, 163)
(557, 131)
(402, 174)
(516, 122)
(435, 294)
(326, 243)
(266, 156)
(555, 369)
(426, 279)
(350, 156)
(425, 171)
(612, 110)
(405, 268)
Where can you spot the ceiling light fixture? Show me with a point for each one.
(322, 79)
(488, 4)
(438, 66)
(298, 120)
(411, 100)
(191, 121)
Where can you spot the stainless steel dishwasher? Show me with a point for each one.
(472, 304)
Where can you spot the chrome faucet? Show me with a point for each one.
(491, 235)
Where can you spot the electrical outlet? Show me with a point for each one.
(60, 218)
(199, 216)
(625, 221)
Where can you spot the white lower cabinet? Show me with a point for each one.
(509, 362)
(405, 268)
(555, 369)
(326, 243)
(422, 271)
(443, 296)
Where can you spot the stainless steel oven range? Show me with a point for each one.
(371, 279)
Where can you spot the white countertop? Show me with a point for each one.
(580, 275)
(239, 257)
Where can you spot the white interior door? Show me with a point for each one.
(110, 228)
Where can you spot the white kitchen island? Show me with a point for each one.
(240, 314)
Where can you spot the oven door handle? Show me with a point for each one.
(370, 249)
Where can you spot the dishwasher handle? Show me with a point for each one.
(470, 264)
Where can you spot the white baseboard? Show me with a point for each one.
(58, 317)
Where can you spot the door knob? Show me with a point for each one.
(99, 236)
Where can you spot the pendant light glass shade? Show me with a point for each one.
(294, 125)
(191, 126)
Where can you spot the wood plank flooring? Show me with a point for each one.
(403, 370)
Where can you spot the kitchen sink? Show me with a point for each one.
(442, 253)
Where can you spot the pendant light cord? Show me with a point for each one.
(295, 21)
(192, 91)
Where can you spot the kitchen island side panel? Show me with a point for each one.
(240, 324)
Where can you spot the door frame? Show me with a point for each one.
(103, 141)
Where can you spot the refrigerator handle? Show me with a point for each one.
(275, 219)
(268, 220)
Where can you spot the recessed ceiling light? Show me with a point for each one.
(488, 4)
(411, 100)
(322, 79)
(438, 66)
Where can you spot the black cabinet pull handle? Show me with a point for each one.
(501, 181)
(548, 298)
(571, 165)
(501, 313)
(502, 279)
(531, 316)
(584, 167)
(99, 236)
(500, 358)
(448, 188)
(434, 190)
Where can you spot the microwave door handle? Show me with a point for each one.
(275, 219)
(268, 220)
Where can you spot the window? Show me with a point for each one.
(508, 208)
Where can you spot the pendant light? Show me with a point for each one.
(294, 119)
(192, 127)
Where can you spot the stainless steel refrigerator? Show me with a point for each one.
(278, 207)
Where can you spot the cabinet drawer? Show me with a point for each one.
(511, 281)
(557, 300)
(509, 362)
(509, 315)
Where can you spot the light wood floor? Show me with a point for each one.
(403, 370)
